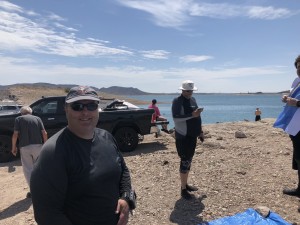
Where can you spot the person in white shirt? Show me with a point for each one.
(288, 120)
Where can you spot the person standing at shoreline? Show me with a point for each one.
(31, 133)
(257, 114)
(288, 120)
(188, 127)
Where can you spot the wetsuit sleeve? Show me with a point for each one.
(125, 183)
(177, 111)
(48, 187)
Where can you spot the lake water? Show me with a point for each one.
(222, 107)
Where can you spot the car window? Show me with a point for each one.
(9, 107)
(45, 107)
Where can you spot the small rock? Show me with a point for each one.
(240, 134)
(165, 162)
(241, 172)
(263, 211)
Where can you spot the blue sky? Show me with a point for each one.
(223, 46)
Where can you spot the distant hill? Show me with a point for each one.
(30, 85)
(123, 91)
(115, 90)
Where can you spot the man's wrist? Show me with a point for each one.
(130, 198)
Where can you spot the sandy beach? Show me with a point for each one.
(232, 174)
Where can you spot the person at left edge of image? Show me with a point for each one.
(81, 177)
(31, 133)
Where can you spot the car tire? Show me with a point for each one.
(127, 139)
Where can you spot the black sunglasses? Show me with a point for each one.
(188, 91)
(92, 106)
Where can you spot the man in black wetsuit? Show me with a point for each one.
(80, 177)
(188, 128)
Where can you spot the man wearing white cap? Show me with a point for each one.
(188, 127)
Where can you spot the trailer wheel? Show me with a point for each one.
(5, 149)
(127, 139)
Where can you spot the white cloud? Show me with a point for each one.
(53, 16)
(177, 13)
(223, 10)
(59, 25)
(165, 13)
(195, 58)
(155, 54)
(268, 13)
(23, 70)
(10, 7)
(7, 62)
(37, 35)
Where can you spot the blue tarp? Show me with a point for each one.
(250, 217)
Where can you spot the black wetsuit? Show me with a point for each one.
(187, 129)
(185, 123)
(78, 181)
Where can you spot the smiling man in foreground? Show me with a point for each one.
(81, 177)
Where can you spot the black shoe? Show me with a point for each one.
(185, 194)
(28, 195)
(191, 188)
(292, 192)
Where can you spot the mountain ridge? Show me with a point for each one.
(115, 90)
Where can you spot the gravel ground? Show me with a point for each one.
(232, 174)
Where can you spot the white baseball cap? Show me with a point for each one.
(188, 85)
